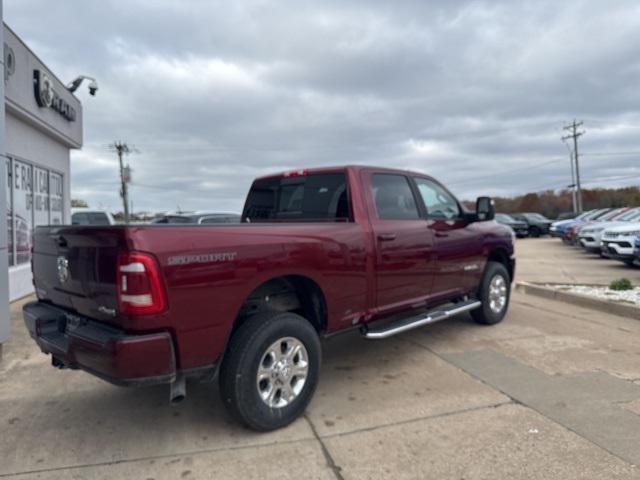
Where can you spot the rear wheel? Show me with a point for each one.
(494, 293)
(271, 370)
(534, 232)
(629, 262)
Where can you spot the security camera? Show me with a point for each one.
(93, 86)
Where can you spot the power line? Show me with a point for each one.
(506, 172)
(612, 179)
(187, 188)
(557, 185)
(609, 154)
(158, 187)
(552, 186)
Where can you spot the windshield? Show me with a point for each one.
(600, 214)
(590, 215)
(630, 215)
(503, 217)
(536, 216)
(614, 214)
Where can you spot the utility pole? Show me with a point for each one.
(574, 195)
(574, 202)
(121, 149)
(575, 134)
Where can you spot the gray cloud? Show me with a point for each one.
(215, 93)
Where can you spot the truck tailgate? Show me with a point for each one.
(75, 268)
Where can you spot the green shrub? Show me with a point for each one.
(621, 284)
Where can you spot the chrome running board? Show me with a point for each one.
(409, 323)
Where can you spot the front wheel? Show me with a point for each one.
(534, 232)
(494, 293)
(271, 370)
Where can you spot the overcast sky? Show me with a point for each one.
(213, 93)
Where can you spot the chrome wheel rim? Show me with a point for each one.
(497, 293)
(282, 372)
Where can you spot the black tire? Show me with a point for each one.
(485, 314)
(534, 232)
(629, 262)
(239, 370)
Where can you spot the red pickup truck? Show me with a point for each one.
(317, 252)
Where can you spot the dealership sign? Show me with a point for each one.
(47, 97)
(9, 62)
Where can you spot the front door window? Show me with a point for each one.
(438, 202)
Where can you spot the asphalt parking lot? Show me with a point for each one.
(549, 260)
(552, 392)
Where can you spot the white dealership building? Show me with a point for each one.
(41, 121)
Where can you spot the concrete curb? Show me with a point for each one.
(606, 306)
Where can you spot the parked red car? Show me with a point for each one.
(318, 252)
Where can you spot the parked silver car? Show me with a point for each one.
(590, 236)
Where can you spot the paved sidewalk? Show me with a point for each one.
(552, 392)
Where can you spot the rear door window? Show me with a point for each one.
(321, 196)
(393, 197)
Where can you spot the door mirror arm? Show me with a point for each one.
(469, 217)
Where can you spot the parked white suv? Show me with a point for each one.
(618, 242)
(590, 236)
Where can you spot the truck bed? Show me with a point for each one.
(208, 272)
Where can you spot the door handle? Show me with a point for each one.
(442, 234)
(386, 237)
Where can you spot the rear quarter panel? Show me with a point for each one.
(209, 271)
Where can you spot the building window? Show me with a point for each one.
(34, 197)
(41, 196)
(55, 202)
(22, 210)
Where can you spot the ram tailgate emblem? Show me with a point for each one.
(62, 264)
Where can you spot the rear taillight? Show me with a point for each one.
(140, 289)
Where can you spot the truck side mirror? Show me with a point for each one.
(485, 208)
